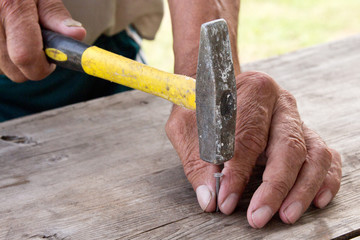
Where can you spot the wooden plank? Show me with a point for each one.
(104, 169)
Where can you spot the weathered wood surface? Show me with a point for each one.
(105, 170)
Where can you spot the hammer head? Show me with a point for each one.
(215, 94)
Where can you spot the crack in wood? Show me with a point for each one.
(50, 237)
(15, 184)
(349, 235)
(163, 225)
(18, 139)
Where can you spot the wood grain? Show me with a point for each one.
(104, 169)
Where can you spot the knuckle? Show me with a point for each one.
(337, 182)
(326, 156)
(260, 82)
(286, 95)
(29, 64)
(336, 163)
(309, 187)
(280, 186)
(286, 100)
(335, 171)
(28, 61)
(22, 57)
(194, 168)
(296, 145)
(240, 174)
(322, 157)
(252, 140)
(333, 181)
(263, 80)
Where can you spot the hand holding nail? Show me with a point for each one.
(300, 167)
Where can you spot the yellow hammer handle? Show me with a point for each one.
(178, 89)
(69, 53)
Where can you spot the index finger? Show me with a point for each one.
(257, 94)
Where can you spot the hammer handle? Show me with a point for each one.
(72, 54)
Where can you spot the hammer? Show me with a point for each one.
(214, 87)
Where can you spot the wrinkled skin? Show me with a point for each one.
(300, 168)
(21, 47)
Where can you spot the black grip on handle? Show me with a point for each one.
(56, 43)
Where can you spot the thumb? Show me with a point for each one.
(54, 16)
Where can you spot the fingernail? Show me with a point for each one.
(72, 23)
(203, 196)
(262, 216)
(293, 212)
(230, 203)
(324, 199)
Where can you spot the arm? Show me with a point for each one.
(187, 17)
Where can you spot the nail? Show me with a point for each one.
(230, 203)
(262, 216)
(324, 199)
(72, 23)
(293, 212)
(217, 179)
(203, 196)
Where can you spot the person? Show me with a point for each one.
(300, 168)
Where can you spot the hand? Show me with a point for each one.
(300, 168)
(21, 46)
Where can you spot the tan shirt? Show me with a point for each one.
(112, 16)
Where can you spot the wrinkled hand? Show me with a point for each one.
(21, 46)
(300, 168)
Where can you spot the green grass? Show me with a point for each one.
(272, 27)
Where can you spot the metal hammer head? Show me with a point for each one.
(215, 94)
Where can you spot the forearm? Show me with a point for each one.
(187, 17)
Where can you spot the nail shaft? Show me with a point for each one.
(217, 178)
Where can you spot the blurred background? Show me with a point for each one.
(272, 27)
